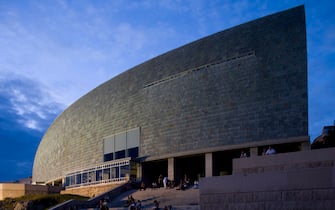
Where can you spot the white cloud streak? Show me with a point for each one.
(27, 100)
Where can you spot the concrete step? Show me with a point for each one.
(179, 199)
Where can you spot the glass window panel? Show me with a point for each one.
(133, 152)
(120, 141)
(133, 138)
(73, 180)
(109, 145)
(78, 179)
(91, 176)
(85, 177)
(98, 175)
(120, 154)
(67, 181)
(108, 157)
(106, 174)
(115, 172)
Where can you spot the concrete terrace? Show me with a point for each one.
(179, 199)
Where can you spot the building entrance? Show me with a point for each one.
(151, 171)
(191, 166)
(223, 162)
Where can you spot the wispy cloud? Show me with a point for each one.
(29, 104)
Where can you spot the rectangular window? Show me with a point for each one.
(110, 172)
(78, 179)
(67, 181)
(109, 144)
(98, 175)
(106, 174)
(133, 152)
(121, 145)
(85, 177)
(108, 157)
(73, 180)
(120, 142)
(120, 154)
(115, 172)
(91, 176)
(133, 138)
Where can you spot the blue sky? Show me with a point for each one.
(52, 52)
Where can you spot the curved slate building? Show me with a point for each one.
(189, 111)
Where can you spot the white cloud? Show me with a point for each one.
(32, 124)
(25, 98)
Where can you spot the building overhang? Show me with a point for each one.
(297, 139)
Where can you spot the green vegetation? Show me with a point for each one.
(37, 202)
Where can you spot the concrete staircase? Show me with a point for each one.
(179, 199)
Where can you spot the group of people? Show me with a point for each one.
(156, 206)
(103, 204)
(184, 183)
(266, 151)
(132, 204)
(166, 183)
(162, 182)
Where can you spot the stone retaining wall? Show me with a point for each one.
(299, 180)
(14, 190)
(90, 191)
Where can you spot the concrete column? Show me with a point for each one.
(208, 164)
(171, 169)
(253, 151)
(139, 171)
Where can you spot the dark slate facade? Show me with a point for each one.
(241, 86)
